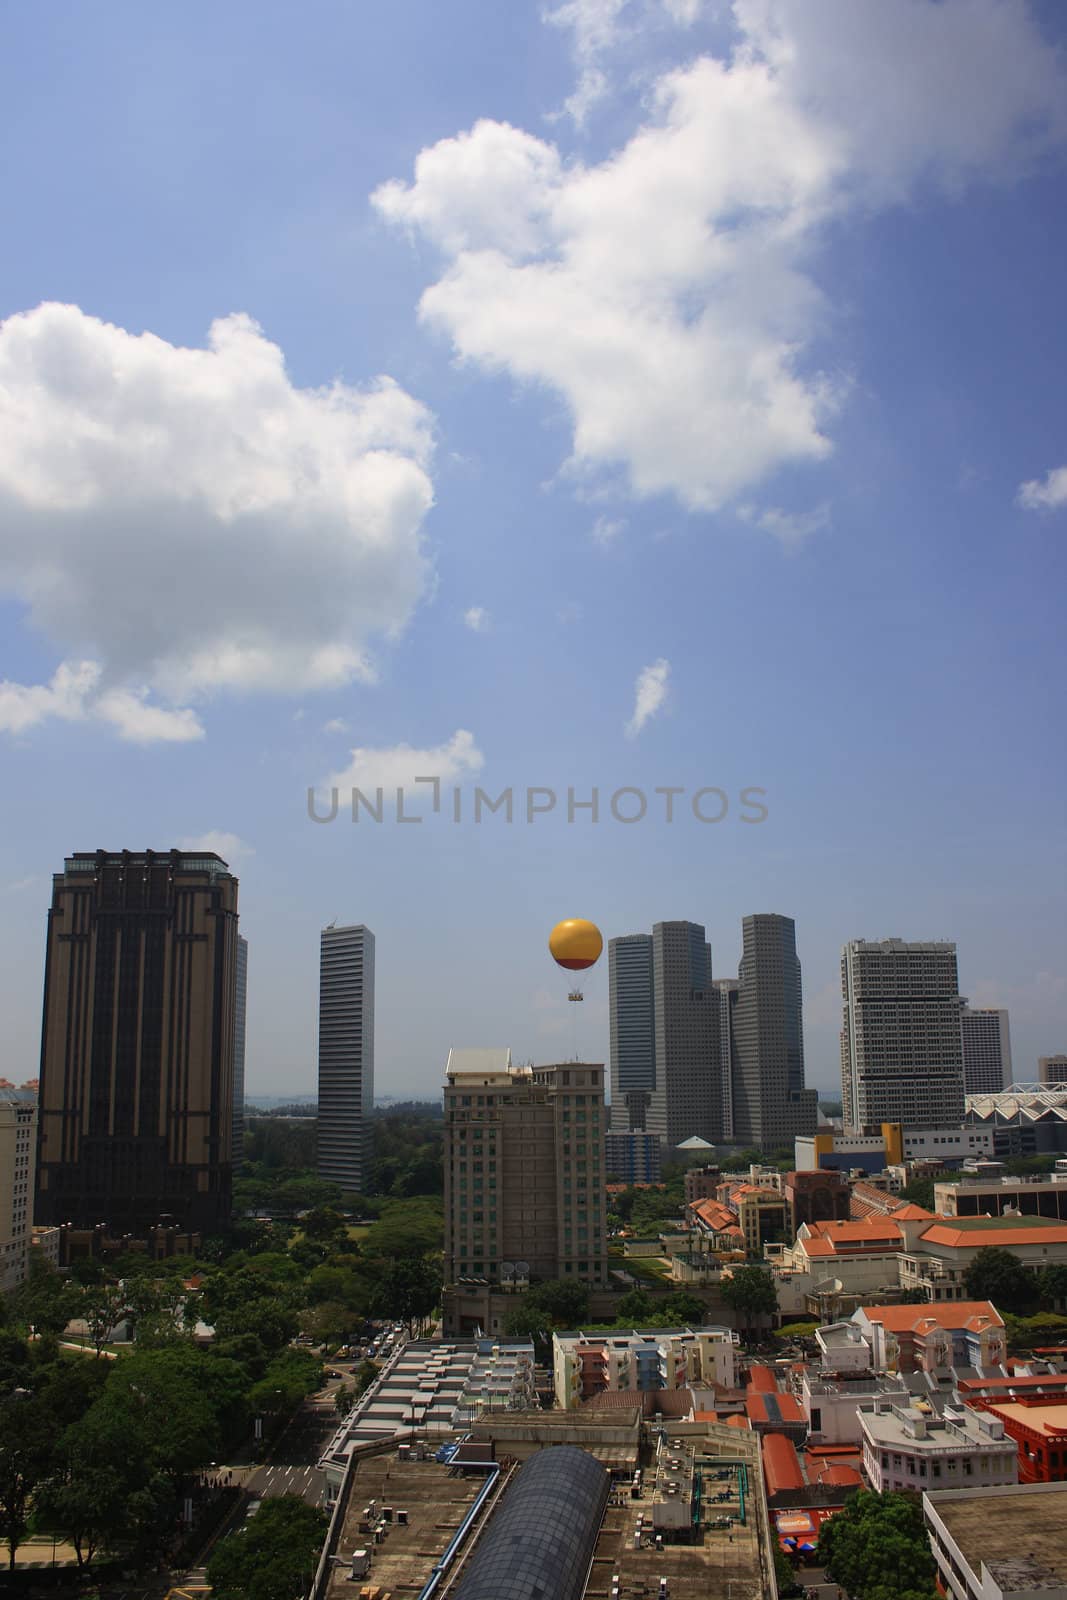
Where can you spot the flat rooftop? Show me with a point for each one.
(1020, 1537)
(435, 1502)
(693, 1571)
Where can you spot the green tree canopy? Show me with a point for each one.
(566, 1301)
(273, 1556)
(749, 1292)
(877, 1548)
(998, 1275)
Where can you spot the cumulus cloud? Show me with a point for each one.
(74, 694)
(230, 846)
(1044, 494)
(398, 766)
(476, 618)
(335, 725)
(650, 692)
(789, 527)
(183, 521)
(668, 294)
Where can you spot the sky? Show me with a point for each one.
(622, 395)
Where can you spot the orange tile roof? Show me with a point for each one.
(947, 1233)
(762, 1378)
(781, 1466)
(972, 1314)
(911, 1213)
(737, 1421)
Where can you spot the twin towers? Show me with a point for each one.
(722, 1059)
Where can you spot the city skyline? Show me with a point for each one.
(651, 397)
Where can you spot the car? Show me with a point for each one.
(331, 1373)
(253, 1507)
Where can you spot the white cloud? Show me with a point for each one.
(790, 527)
(476, 618)
(596, 27)
(1044, 494)
(230, 846)
(605, 531)
(668, 294)
(184, 521)
(74, 694)
(335, 725)
(650, 692)
(397, 766)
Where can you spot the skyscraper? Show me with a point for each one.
(665, 1072)
(346, 1054)
(239, 1014)
(726, 990)
(633, 1031)
(524, 1169)
(986, 1050)
(688, 1096)
(136, 1085)
(901, 1041)
(1052, 1069)
(18, 1123)
(770, 1104)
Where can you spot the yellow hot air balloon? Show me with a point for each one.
(576, 945)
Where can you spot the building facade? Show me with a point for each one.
(986, 1039)
(632, 1024)
(346, 1054)
(770, 1106)
(632, 1157)
(524, 1170)
(1051, 1069)
(975, 1537)
(666, 1076)
(905, 1448)
(18, 1156)
(901, 1041)
(239, 1018)
(585, 1365)
(135, 1111)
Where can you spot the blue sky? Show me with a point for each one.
(738, 372)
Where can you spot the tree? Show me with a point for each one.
(1052, 1287)
(565, 1301)
(104, 1488)
(529, 1322)
(273, 1557)
(406, 1228)
(25, 1456)
(101, 1307)
(635, 1307)
(750, 1294)
(998, 1275)
(877, 1548)
(408, 1289)
(685, 1307)
(919, 1192)
(323, 1223)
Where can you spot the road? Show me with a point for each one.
(292, 1466)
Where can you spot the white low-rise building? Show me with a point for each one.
(911, 1447)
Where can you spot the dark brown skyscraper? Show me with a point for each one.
(137, 1048)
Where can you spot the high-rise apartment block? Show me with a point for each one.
(346, 1054)
(986, 1050)
(524, 1170)
(239, 1018)
(18, 1141)
(136, 1085)
(770, 1105)
(901, 1040)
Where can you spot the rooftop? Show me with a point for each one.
(951, 1315)
(959, 1232)
(1016, 1533)
(479, 1060)
(1048, 1417)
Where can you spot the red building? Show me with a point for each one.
(1038, 1424)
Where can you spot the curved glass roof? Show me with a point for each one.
(540, 1541)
